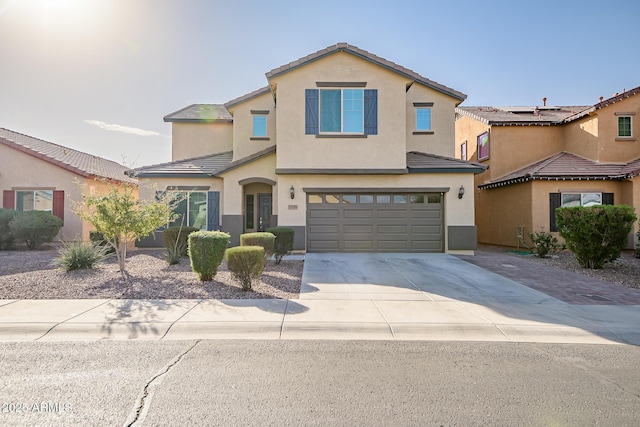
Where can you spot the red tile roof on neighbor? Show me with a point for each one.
(83, 164)
(566, 166)
(345, 47)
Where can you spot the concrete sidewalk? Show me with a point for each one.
(343, 296)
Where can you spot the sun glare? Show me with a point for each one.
(70, 15)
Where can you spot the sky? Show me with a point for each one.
(99, 75)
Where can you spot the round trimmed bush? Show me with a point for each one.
(284, 241)
(264, 239)
(206, 251)
(35, 227)
(246, 264)
(6, 237)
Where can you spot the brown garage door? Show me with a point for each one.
(375, 222)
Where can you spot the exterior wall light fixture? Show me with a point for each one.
(292, 192)
(461, 192)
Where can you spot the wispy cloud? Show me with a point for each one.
(123, 129)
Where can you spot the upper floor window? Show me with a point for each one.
(463, 151)
(423, 119)
(259, 125)
(342, 111)
(624, 126)
(483, 146)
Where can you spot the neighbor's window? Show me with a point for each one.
(624, 126)
(342, 111)
(259, 125)
(423, 119)
(191, 210)
(581, 199)
(34, 200)
(483, 146)
(463, 151)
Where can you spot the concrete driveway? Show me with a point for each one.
(439, 296)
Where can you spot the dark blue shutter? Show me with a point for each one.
(371, 111)
(213, 210)
(607, 198)
(311, 112)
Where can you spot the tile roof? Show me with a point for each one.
(524, 116)
(83, 164)
(418, 162)
(345, 47)
(567, 166)
(212, 113)
(251, 95)
(196, 167)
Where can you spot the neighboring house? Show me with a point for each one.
(352, 151)
(40, 175)
(542, 158)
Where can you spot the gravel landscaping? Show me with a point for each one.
(30, 275)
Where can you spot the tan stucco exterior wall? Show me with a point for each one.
(500, 212)
(200, 139)
(582, 137)
(611, 148)
(233, 191)
(442, 115)
(467, 129)
(297, 150)
(243, 145)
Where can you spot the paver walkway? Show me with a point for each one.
(570, 287)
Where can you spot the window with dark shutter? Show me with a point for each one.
(8, 199)
(213, 210)
(555, 201)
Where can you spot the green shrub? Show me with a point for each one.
(638, 245)
(176, 240)
(284, 241)
(263, 239)
(206, 250)
(35, 227)
(246, 264)
(6, 237)
(98, 239)
(545, 243)
(75, 255)
(595, 234)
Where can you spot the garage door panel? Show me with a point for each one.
(324, 213)
(324, 229)
(392, 229)
(422, 245)
(357, 213)
(355, 228)
(426, 229)
(358, 245)
(324, 245)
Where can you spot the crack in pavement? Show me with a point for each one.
(142, 404)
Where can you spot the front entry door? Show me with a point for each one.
(264, 211)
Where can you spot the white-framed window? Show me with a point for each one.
(259, 125)
(191, 210)
(624, 127)
(463, 151)
(342, 111)
(423, 119)
(581, 199)
(34, 200)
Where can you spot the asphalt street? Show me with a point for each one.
(236, 383)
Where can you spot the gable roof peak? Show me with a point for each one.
(354, 50)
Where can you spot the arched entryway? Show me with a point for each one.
(257, 204)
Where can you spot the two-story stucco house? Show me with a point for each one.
(40, 175)
(544, 157)
(352, 151)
